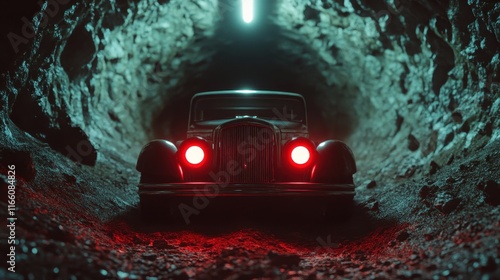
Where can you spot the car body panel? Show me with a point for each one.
(272, 189)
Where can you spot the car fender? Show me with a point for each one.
(335, 163)
(158, 160)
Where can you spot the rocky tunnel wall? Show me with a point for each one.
(404, 83)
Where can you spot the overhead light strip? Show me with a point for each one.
(247, 10)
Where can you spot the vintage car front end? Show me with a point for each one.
(247, 156)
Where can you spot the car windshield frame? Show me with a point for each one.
(281, 114)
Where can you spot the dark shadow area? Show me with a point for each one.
(74, 63)
(13, 15)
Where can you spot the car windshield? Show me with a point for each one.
(274, 108)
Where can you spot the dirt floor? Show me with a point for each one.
(80, 222)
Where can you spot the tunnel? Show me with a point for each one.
(411, 86)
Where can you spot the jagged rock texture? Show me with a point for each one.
(381, 74)
(411, 86)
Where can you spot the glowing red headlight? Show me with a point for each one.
(299, 152)
(194, 155)
(194, 152)
(300, 155)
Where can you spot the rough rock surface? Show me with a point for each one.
(412, 86)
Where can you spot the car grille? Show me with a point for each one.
(252, 147)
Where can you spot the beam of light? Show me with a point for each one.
(247, 10)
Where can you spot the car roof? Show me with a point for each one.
(247, 93)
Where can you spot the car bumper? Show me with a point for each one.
(211, 189)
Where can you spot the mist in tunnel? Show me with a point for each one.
(412, 87)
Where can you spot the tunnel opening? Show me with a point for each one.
(412, 87)
(258, 56)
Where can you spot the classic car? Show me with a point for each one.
(245, 144)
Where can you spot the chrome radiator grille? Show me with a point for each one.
(252, 147)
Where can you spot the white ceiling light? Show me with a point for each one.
(246, 91)
(247, 10)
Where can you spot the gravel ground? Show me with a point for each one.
(79, 222)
